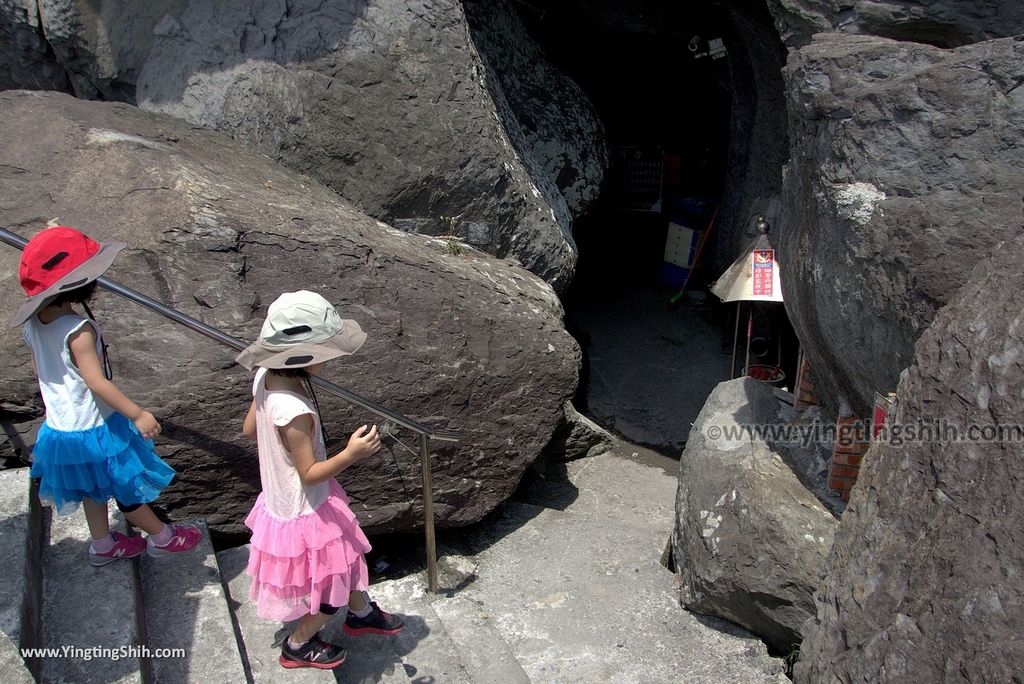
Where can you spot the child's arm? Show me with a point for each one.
(298, 438)
(83, 353)
(31, 355)
(249, 425)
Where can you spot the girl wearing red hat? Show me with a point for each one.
(95, 443)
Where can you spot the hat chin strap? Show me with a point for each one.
(108, 371)
(316, 404)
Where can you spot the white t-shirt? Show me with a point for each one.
(284, 495)
(70, 404)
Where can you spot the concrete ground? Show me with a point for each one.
(650, 369)
(562, 584)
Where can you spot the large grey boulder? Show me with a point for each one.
(905, 171)
(749, 540)
(387, 102)
(943, 23)
(26, 59)
(544, 111)
(457, 339)
(924, 580)
(578, 437)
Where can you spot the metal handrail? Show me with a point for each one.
(426, 433)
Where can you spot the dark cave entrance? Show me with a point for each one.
(658, 74)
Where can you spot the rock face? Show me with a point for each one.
(26, 59)
(924, 579)
(386, 102)
(457, 339)
(758, 147)
(943, 23)
(578, 437)
(545, 112)
(905, 170)
(749, 541)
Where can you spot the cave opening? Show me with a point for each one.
(658, 75)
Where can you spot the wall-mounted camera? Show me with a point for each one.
(713, 48)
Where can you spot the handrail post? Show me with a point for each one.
(428, 514)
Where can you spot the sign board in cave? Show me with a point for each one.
(763, 264)
(635, 178)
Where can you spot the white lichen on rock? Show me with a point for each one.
(101, 137)
(856, 201)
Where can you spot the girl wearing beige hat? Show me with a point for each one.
(306, 557)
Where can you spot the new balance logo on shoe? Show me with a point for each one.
(183, 539)
(123, 549)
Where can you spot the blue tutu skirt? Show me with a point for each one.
(109, 460)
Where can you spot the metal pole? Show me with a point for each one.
(428, 515)
(735, 342)
(778, 346)
(750, 331)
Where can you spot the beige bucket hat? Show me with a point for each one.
(302, 328)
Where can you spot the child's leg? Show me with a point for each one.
(106, 547)
(366, 617)
(301, 650)
(164, 540)
(357, 602)
(144, 518)
(309, 625)
(97, 517)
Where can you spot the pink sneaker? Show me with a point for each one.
(184, 539)
(124, 548)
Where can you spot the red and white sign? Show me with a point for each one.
(763, 272)
(883, 407)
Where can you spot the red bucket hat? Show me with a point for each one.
(56, 260)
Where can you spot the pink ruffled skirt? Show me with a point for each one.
(298, 564)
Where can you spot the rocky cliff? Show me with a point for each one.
(389, 103)
(457, 339)
(924, 578)
(905, 170)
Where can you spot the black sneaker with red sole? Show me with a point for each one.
(377, 622)
(315, 653)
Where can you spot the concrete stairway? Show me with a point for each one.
(116, 623)
(21, 523)
(563, 584)
(185, 607)
(423, 651)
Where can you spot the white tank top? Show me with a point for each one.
(284, 495)
(70, 404)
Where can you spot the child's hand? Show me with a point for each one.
(148, 426)
(364, 442)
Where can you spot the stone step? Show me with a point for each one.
(423, 651)
(21, 535)
(482, 649)
(186, 608)
(93, 609)
(13, 668)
